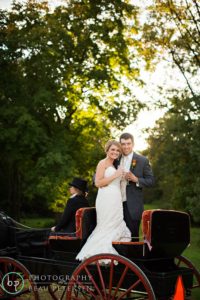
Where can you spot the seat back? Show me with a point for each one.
(85, 222)
(167, 232)
(33, 242)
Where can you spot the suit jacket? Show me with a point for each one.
(67, 222)
(141, 168)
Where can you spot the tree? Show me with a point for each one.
(62, 89)
(174, 149)
(172, 30)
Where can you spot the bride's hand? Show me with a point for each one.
(124, 174)
(119, 172)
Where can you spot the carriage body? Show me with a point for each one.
(150, 264)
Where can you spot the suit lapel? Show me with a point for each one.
(133, 162)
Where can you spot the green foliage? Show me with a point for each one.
(171, 29)
(62, 196)
(174, 149)
(62, 89)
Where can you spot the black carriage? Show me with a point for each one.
(32, 262)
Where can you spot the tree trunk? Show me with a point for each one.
(14, 194)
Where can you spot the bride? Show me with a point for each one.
(110, 223)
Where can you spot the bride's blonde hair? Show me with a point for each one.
(112, 142)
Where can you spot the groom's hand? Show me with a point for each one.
(131, 177)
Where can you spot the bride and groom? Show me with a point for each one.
(120, 178)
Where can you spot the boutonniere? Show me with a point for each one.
(133, 164)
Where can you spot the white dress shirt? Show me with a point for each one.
(126, 164)
(74, 195)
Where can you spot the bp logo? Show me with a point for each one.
(12, 283)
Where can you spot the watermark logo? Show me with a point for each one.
(12, 283)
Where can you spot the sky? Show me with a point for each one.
(5, 4)
(149, 94)
(163, 75)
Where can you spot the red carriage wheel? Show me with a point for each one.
(57, 291)
(16, 281)
(109, 277)
(181, 261)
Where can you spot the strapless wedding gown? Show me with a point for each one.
(110, 223)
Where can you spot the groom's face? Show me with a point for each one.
(127, 146)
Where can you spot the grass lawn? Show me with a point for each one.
(38, 222)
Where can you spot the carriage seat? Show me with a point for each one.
(85, 223)
(166, 233)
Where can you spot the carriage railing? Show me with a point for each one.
(166, 234)
(85, 223)
(164, 231)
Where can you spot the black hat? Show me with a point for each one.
(80, 184)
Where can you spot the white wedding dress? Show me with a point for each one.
(110, 223)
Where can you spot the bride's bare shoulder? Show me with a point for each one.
(102, 163)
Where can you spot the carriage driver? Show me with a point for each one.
(78, 190)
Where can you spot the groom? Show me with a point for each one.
(138, 174)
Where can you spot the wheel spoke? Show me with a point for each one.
(63, 293)
(25, 291)
(185, 261)
(15, 268)
(120, 281)
(130, 288)
(52, 292)
(1, 275)
(6, 268)
(85, 288)
(14, 271)
(93, 281)
(1, 291)
(101, 278)
(178, 262)
(76, 296)
(110, 283)
(111, 278)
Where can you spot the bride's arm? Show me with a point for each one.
(100, 180)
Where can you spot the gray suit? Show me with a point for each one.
(133, 207)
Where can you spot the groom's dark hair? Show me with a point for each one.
(126, 136)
